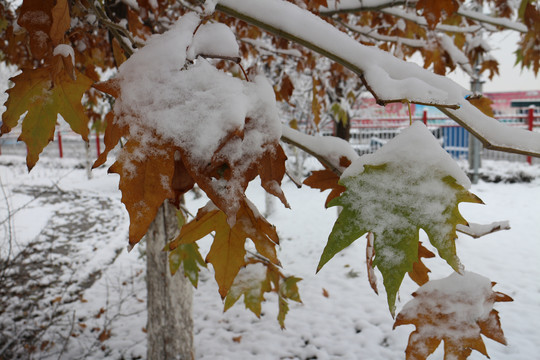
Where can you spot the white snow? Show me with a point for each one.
(65, 51)
(459, 299)
(414, 148)
(196, 106)
(351, 323)
(331, 148)
(348, 5)
(478, 230)
(213, 39)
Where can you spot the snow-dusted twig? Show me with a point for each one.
(328, 150)
(391, 7)
(120, 33)
(5, 264)
(335, 8)
(479, 230)
(66, 341)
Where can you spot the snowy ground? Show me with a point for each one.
(71, 290)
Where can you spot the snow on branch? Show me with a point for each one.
(506, 23)
(387, 77)
(479, 230)
(371, 33)
(457, 56)
(347, 6)
(328, 150)
(389, 7)
(420, 20)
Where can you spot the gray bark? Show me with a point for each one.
(88, 160)
(170, 298)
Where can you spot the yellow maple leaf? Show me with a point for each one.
(43, 99)
(227, 251)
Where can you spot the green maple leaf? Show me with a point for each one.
(288, 290)
(43, 100)
(394, 200)
(189, 256)
(251, 282)
(260, 277)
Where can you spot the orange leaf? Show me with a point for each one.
(145, 182)
(324, 180)
(35, 17)
(419, 273)
(271, 170)
(433, 11)
(455, 310)
(286, 88)
(105, 334)
(113, 134)
(136, 26)
(325, 293)
(118, 53)
(237, 339)
(270, 165)
(315, 4)
(181, 183)
(61, 21)
(110, 87)
(483, 104)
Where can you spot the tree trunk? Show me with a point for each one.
(170, 298)
(269, 204)
(88, 160)
(343, 131)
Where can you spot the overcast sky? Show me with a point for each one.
(510, 78)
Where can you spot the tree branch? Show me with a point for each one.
(385, 74)
(377, 6)
(328, 150)
(486, 19)
(479, 230)
(116, 30)
(389, 6)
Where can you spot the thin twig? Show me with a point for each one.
(64, 347)
(10, 229)
(293, 179)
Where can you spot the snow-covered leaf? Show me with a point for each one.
(456, 310)
(411, 183)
